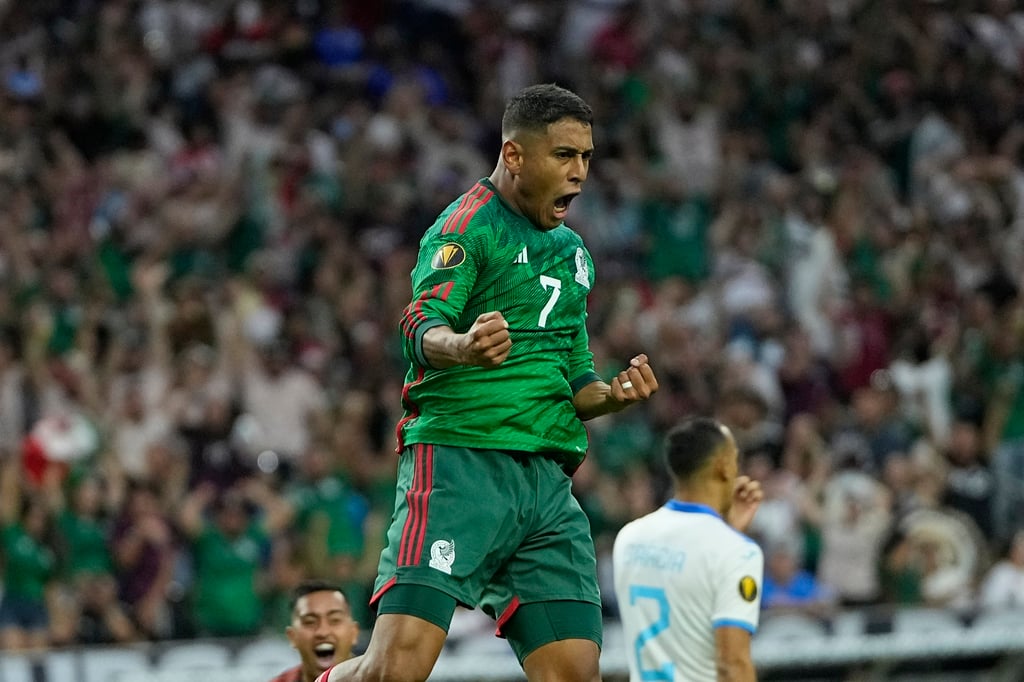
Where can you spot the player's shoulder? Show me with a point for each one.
(638, 525)
(572, 233)
(468, 212)
(730, 538)
(701, 521)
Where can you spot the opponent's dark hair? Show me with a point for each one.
(537, 106)
(691, 445)
(312, 585)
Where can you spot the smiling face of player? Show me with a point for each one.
(322, 631)
(549, 168)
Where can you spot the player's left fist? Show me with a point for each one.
(636, 382)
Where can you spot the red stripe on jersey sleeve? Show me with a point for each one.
(471, 210)
(467, 200)
(414, 311)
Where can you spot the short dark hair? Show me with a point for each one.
(538, 106)
(313, 585)
(692, 444)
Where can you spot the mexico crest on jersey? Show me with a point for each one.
(447, 257)
(582, 271)
(748, 588)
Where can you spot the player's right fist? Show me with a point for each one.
(487, 343)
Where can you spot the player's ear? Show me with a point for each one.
(290, 634)
(512, 156)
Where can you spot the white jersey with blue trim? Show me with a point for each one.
(681, 572)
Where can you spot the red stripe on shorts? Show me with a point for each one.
(425, 501)
(383, 588)
(412, 504)
(417, 500)
(505, 615)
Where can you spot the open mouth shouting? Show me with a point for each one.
(562, 205)
(324, 652)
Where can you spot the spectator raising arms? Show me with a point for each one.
(231, 551)
(31, 565)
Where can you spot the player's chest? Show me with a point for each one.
(537, 277)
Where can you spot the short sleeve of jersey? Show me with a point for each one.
(446, 270)
(738, 588)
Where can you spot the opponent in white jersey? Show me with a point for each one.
(687, 580)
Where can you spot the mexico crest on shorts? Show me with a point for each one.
(447, 257)
(748, 588)
(442, 555)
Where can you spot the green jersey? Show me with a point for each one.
(226, 601)
(85, 545)
(29, 564)
(481, 256)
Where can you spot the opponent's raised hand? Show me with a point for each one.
(746, 498)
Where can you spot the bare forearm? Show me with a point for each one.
(443, 347)
(595, 400)
(732, 655)
(737, 671)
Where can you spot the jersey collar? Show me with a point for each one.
(691, 507)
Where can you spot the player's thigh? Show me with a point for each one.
(547, 591)
(458, 517)
(556, 558)
(558, 639)
(402, 647)
(564, 660)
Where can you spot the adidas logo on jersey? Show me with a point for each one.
(522, 257)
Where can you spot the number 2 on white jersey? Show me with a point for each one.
(666, 673)
(556, 288)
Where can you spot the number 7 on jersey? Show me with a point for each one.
(555, 285)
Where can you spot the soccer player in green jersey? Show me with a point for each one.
(501, 380)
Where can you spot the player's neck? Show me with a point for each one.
(504, 182)
(705, 495)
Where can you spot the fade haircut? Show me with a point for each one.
(536, 107)
(311, 586)
(691, 445)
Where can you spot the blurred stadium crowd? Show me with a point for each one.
(809, 213)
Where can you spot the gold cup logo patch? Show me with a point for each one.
(447, 257)
(748, 588)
